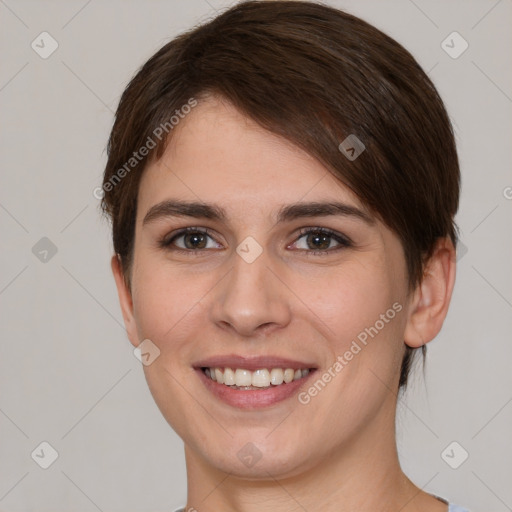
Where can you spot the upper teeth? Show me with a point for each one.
(261, 378)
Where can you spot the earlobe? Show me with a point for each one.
(431, 299)
(125, 299)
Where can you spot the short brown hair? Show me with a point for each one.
(313, 75)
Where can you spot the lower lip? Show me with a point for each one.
(253, 398)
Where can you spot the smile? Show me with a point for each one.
(244, 379)
(253, 382)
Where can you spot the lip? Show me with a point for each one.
(252, 363)
(252, 398)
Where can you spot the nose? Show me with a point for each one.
(251, 299)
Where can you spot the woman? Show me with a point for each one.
(282, 183)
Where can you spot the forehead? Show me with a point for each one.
(218, 154)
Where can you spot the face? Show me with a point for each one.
(234, 267)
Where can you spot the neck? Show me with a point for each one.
(362, 474)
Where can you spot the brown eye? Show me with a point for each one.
(321, 240)
(318, 240)
(190, 239)
(196, 240)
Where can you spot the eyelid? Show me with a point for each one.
(343, 240)
(167, 240)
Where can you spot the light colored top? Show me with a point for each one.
(451, 508)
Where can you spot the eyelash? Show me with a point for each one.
(343, 241)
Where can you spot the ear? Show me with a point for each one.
(431, 298)
(125, 300)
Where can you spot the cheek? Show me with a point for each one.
(167, 302)
(347, 300)
(154, 307)
(359, 309)
(360, 312)
(167, 310)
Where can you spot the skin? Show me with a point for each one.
(324, 455)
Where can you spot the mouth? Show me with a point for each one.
(250, 383)
(241, 378)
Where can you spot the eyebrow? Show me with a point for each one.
(202, 210)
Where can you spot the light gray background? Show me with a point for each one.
(67, 372)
